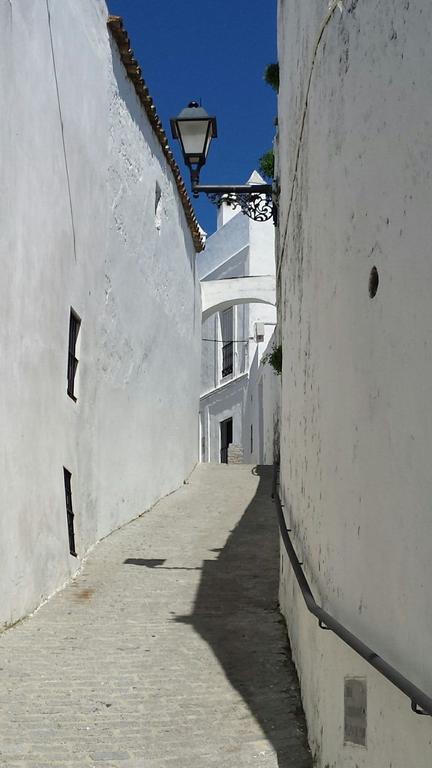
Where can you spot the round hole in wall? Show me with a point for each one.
(373, 282)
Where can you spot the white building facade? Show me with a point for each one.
(233, 403)
(355, 312)
(99, 297)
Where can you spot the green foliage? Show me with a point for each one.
(266, 161)
(266, 165)
(274, 358)
(271, 76)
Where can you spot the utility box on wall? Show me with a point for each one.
(355, 711)
(259, 332)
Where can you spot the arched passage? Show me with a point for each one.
(217, 295)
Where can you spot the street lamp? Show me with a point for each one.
(195, 129)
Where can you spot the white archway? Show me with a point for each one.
(217, 295)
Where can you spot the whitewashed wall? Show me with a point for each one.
(261, 409)
(80, 166)
(226, 255)
(356, 431)
(239, 248)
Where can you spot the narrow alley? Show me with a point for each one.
(168, 649)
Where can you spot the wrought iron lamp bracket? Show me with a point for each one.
(254, 200)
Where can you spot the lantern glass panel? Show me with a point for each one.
(195, 138)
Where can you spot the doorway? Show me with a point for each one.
(226, 433)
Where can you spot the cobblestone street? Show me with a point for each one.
(167, 650)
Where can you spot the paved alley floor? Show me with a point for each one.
(167, 650)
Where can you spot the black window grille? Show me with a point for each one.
(227, 328)
(69, 511)
(227, 359)
(74, 327)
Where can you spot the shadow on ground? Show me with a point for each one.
(156, 563)
(236, 613)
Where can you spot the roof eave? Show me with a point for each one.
(133, 70)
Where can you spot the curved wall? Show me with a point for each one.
(356, 431)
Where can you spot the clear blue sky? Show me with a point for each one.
(217, 52)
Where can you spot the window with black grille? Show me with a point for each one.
(69, 511)
(227, 328)
(74, 328)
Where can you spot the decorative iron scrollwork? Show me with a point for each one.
(258, 206)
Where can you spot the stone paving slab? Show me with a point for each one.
(167, 650)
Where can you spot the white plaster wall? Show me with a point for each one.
(356, 428)
(211, 355)
(261, 410)
(230, 239)
(226, 255)
(94, 244)
(225, 213)
(240, 247)
(225, 402)
(261, 262)
(218, 295)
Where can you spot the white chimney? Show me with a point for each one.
(225, 213)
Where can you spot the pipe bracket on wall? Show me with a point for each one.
(322, 625)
